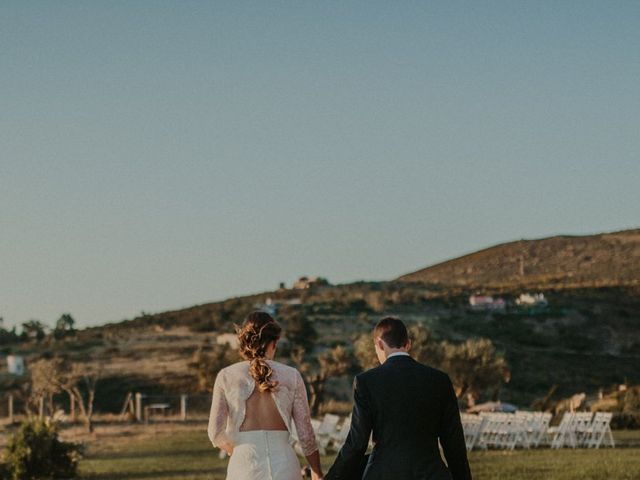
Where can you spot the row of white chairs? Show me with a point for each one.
(331, 433)
(504, 430)
(583, 429)
(531, 429)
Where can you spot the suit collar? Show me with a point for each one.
(398, 359)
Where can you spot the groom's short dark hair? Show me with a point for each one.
(392, 331)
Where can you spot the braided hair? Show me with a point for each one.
(258, 330)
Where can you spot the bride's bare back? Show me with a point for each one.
(261, 413)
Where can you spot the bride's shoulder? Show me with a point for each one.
(283, 368)
(235, 368)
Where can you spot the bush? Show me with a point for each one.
(626, 421)
(35, 452)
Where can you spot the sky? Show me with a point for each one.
(160, 154)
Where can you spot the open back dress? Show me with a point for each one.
(261, 425)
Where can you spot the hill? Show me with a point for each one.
(585, 339)
(604, 260)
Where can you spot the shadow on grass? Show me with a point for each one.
(167, 474)
(149, 454)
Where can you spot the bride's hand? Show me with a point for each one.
(227, 447)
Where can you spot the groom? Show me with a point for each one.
(408, 407)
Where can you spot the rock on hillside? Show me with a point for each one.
(609, 259)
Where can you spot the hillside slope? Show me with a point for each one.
(586, 339)
(610, 259)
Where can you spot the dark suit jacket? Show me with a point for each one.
(408, 407)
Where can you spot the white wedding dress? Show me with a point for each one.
(261, 454)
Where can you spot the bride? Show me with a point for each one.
(254, 405)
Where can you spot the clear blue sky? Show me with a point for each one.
(155, 155)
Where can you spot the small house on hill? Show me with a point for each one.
(15, 365)
(485, 302)
(304, 283)
(268, 306)
(535, 300)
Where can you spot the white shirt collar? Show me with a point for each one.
(397, 354)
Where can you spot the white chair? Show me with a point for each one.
(599, 431)
(315, 423)
(540, 429)
(581, 423)
(340, 436)
(529, 427)
(519, 431)
(563, 434)
(472, 426)
(496, 432)
(326, 430)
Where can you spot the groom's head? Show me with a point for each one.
(390, 336)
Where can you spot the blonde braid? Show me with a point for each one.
(258, 330)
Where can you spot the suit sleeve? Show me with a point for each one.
(452, 436)
(351, 454)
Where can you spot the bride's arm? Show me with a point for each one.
(217, 428)
(314, 463)
(306, 435)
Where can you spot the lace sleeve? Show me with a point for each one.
(302, 418)
(219, 414)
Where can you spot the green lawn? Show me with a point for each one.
(189, 456)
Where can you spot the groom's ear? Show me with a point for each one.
(408, 345)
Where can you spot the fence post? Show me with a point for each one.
(183, 407)
(72, 408)
(10, 408)
(139, 407)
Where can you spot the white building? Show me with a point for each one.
(268, 306)
(304, 283)
(485, 302)
(528, 300)
(230, 339)
(15, 365)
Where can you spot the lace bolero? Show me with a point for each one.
(234, 385)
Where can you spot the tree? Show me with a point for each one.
(34, 329)
(424, 347)
(365, 352)
(78, 380)
(474, 367)
(83, 377)
(45, 381)
(376, 301)
(36, 452)
(332, 363)
(64, 326)
(300, 331)
(8, 336)
(208, 361)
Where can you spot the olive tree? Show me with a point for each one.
(475, 367)
(77, 380)
(329, 364)
(207, 362)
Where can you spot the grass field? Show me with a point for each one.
(187, 455)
